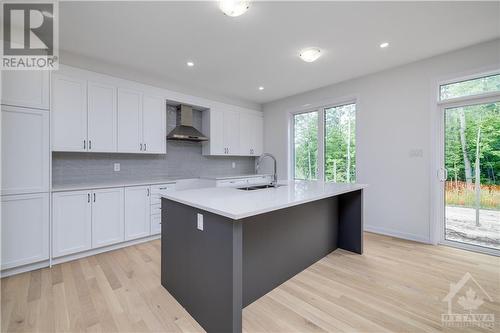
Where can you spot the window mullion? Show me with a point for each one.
(321, 144)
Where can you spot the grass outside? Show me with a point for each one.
(463, 194)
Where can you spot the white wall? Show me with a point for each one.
(396, 113)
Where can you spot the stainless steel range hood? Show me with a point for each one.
(185, 130)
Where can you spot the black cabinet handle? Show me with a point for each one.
(94, 196)
(90, 144)
(88, 197)
(84, 144)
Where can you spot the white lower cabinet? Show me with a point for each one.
(25, 229)
(108, 226)
(137, 212)
(71, 222)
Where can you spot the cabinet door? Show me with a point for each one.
(231, 129)
(137, 212)
(26, 88)
(216, 141)
(154, 125)
(25, 229)
(258, 140)
(107, 217)
(246, 127)
(71, 222)
(25, 150)
(102, 118)
(129, 121)
(69, 113)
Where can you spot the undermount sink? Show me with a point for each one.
(257, 187)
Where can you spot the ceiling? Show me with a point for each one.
(234, 56)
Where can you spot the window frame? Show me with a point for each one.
(320, 109)
(464, 79)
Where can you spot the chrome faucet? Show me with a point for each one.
(275, 176)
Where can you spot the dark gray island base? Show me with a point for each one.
(217, 272)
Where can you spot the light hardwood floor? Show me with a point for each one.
(396, 286)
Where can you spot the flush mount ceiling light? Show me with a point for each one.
(234, 8)
(384, 45)
(310, 54)
(261, 88)
(190, 64)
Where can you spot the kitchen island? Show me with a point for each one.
(223, 248)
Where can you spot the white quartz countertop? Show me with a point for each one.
(110, 184)
(235, 177)
(238, 204)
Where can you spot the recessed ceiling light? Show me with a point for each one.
(384, 45)
(190, 64)
(261, 88)
(234, 8)
(310, 54)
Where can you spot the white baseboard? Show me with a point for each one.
(92, 252)
(24, 268)
(397, 234)
(46, 263)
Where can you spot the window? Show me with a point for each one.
(476, 86)
(340, 143)
(305, 129)
(324, 144)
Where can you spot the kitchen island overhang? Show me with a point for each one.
(246, 250)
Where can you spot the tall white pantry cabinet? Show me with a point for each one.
(25, 169)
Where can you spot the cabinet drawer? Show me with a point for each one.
(157, 189)
(155, 209)
(155, 224)
(232, 183)
(155, 199)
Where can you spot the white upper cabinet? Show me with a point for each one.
(251, 132)
(25, 229)
(232, 131)
(154, 124)
(137, 212)
(142, 124)
(25, 150)
(102, 118)
(213, 124)
(69, 113)
(107, 217)
(129, 121)
(98, 113)
(71, 222)
(26, 88)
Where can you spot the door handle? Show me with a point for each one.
(141, 147)
(145, 147)
(90, 144)
(148, 191)
(94, 196)
(84, 144)
(88, 197)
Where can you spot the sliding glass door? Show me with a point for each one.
(472, 186)
(471, 164)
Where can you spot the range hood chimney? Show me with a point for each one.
(185, 130)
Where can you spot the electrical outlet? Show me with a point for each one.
(117, 167)
(233, 165)
(200, 222)
(416, 152)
